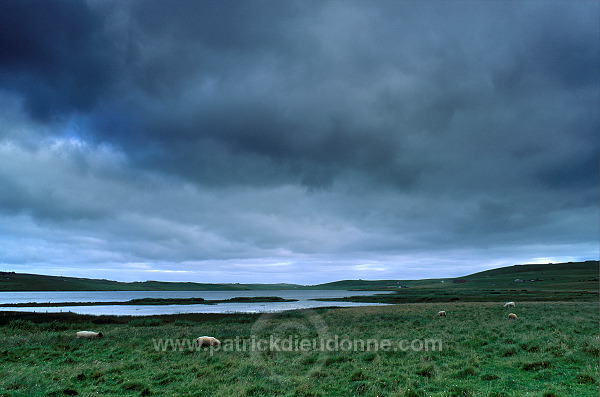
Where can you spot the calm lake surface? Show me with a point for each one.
(303, 302)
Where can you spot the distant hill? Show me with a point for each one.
(572, 281)
(551, 274)
(10, 281)
(557, 276)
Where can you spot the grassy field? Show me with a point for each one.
(551, 350)
(419, 295)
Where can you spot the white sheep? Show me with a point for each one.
(442, 313)
(89, 335)
(208, 341)
(509, 304)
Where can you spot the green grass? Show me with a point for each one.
(552, 349)
(474, 295)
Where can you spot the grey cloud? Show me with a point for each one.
(300, 92)
(340, 131)
(54, 55)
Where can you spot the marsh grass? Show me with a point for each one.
(551, 350)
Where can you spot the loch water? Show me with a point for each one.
(303, 301)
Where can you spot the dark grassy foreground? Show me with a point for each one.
(551, 350)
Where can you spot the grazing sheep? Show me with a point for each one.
(89, 335)
(512, 316)
(208, 341)
(509, 304)
(441, 313)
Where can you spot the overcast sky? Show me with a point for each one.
(297, 141)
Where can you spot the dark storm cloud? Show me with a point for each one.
(306, 95)
(297, 91)
(300, 131)
(53, 53)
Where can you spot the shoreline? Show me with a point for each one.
(58, 317)
(156, 301)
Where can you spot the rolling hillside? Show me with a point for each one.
(572, 276)
(556, 275)
(10, 281)
(572, 281)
